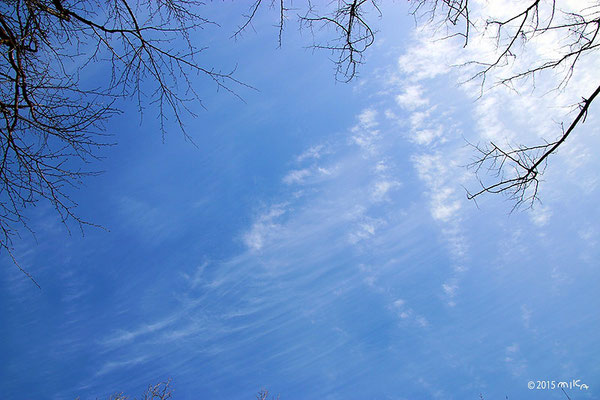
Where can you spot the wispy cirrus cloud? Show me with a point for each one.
(300, 265)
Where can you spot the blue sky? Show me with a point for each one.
(317, 241)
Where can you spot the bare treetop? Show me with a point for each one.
(516, 170)
(52, 121)
(345, 24)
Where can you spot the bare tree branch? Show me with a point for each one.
(51, 123)
(525, 164)
(347, 20)
(354, 34)
(516, 170)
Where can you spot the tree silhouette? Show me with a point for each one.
(52, 121)
(516, 170)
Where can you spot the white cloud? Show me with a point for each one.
(589, 234)
(444, 204)
(125, 336)
(381, 166)
(422, 321)
(412, 97)
(514, 361)
(450, 288)
(399, 303)
(513, 348)
(119, 365)
(381, 189)
(264, 228)
(432, 169)
(540, 215)
(296, 176)
(325, 171)
(364, 133)
(426, 60)
(196, 278)
(314, 152)
(368, 118)
(407, 314)
(364, 229)
(427, 136)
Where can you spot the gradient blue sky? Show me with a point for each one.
(317, 241)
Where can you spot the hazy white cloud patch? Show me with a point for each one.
(515, 362)
(310, 175)
(368, 118)
(381, 166)
(540, 215)
(196, 278)
(423, 61)
(314, 152)
(364, 229)
(407, 314)
(433, 169)
(381, 189)
(412, 97)
(560, 277)
(296, 176)
(444, 205)
(121, 337)
(450, 288)
(431, 127)
(326, 171)
(589, 234)
(365, 133)
(264, 228)
(112, 366)
(427, 136)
